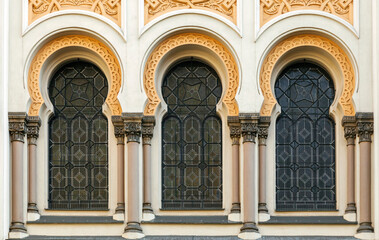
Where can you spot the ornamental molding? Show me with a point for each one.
(156, 8)
(110, 9)
(270, 9)
(74, 41)
(346, 98)
(194, 39)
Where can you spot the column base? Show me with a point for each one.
(17, 235)
(365, 231)
(18, 230)
(119, 212)
(133, 231)
(33, 216)
(234, 217)
(249, 231)
(365, 236)
(351, 217)
(263, 217)
(147, 212)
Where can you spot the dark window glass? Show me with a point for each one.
(305, 140)
(192, 138)
(78, 138)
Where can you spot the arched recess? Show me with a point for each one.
(199, 39)
(311, 40)
(74, 41)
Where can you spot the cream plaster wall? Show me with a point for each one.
(132, 46)
(4, 139)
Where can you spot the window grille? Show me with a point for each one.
(78, 138)
(191, 138)
(305, 140)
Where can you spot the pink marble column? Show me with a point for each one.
(118, 124)
(33, 125)
(349, 124)
(132, 125)
(263, 126)
(249, 128)
(235, 135)
(17, 130)
(147, 134)
(365, 130)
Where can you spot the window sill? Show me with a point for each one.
(76, 220)
(284, 220)
(190, 220)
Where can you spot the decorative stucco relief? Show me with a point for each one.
(225, 8)
(269, 9)
(78, 41)
(195, 39)
(108, 8)
(323, 43)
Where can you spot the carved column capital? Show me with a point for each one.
(33, 123)
(365, 125)
(133, 126)
(148, 123)
(17, 126)
(249, 126)
(350, 129)
(119, 131)
(263, 126)
(235, 129)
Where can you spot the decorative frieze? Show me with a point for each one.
(225, 8)
(270, 9)
(110, 9)
(17, 126)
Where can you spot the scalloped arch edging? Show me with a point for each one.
(195, 39)
(323, 43)
(78, 41)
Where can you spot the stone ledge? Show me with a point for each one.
(76, 220)
(190, 220)
(336, 220)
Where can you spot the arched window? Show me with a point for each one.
(191, 138)
(78, 138)
(305, 140)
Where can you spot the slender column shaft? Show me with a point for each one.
(17, 129)
(235, 135)
(133, 176)
(365, 130)
(147, 134)
(132, 126)
(249, 131)
(349, 124)
(249, 180)
(120, 136)
(120, 175)
(33, 125)
(263, 126)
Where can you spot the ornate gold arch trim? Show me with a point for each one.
(78, 41)
(325, 44)
(194, 39)
(110, 9)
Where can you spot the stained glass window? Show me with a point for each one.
(305, 140)
(78, 138)
(191, 138)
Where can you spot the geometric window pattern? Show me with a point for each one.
(305, 140)
(78, 138)
(192, 138)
